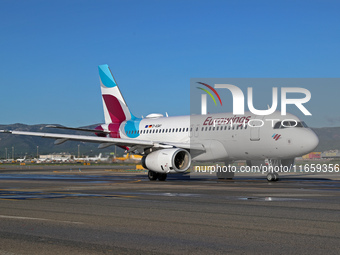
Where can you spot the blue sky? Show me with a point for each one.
(50, 51)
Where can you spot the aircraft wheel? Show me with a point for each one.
(152, 175)
(162, 177)
(270, 177)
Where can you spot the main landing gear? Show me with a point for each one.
(153, 176)
(272, 177)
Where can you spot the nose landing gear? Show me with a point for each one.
(272, 176)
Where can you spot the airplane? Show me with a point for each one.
(170, 144)
(97, 158)
(20, 160)
(8, 161)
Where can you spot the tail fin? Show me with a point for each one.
(115, 108)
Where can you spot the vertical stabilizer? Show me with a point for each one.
(115, 108)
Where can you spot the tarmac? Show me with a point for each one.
(114, 210)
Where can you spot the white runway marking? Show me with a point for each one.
(40, 219)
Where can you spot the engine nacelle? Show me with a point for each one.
(167, 161)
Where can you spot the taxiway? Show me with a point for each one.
(102, 210)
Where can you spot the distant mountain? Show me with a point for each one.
(28, 144)
(329, 140)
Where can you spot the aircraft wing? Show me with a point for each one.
(79, 129)
(108, 141)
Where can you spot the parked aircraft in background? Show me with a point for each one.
(98, 158)
(170, 144)
(92, 159)
(20, 160)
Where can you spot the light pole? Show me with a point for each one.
(37, 151)
(78, 151)
(6, 153)
(13, 152)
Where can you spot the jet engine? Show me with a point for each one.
(167, 161)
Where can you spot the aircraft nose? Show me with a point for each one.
(310, 142)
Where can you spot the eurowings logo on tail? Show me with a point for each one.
(115, 108)
(204, 97)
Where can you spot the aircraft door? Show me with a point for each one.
(197, 129)
(255, 128)
(191, 131)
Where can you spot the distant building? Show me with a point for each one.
(61, 157)
(330, 154)
(312, 155)
(324, 155)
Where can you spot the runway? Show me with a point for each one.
(102, 210)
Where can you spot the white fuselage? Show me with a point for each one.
(245, 139)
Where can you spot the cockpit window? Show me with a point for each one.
(288, 124)
(277, 125)
(304, 124)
